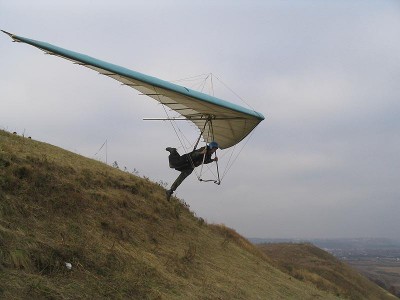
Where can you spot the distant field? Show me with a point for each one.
(310, 264)
(384, 272)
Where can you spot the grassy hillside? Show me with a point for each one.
(310, 264)
(122, 238)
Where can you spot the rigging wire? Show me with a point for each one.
(191, 77)
(240, 151)
(233, 92)
(212, 84)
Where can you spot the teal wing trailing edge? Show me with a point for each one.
(231, 123)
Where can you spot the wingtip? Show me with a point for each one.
(10, 34)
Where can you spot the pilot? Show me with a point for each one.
(187, 162)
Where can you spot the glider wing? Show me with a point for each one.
(230, 123)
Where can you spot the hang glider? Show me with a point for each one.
(217, 119)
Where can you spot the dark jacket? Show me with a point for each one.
(193, 159)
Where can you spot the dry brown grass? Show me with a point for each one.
(123, 239)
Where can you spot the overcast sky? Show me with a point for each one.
(325, 162)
